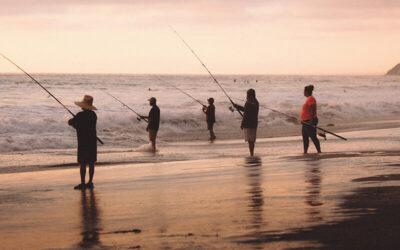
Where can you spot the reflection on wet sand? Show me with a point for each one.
(253, 166)
(90, 220)
(255, 192)
(313, 190)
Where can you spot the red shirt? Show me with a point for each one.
(306, 111)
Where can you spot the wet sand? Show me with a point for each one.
(346, 197)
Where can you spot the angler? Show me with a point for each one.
(85, 124)
(208, 110)
(153, 122)
(250, 119)
(309, 119)
(210, 117)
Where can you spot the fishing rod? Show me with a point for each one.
(33, 79)
(274, 110)
(209, 72)
(184, 92)
(297, 120)
(139, 117)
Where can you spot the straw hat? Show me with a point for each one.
(86, 103)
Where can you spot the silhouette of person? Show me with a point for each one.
(85, 124)
(250, 119)
(210, 117)
(309, 120)
(153, 122)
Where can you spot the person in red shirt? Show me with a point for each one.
(309, 119)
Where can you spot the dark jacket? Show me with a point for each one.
(85, 124)
(154, 118)
(250, 116)
(210, 113)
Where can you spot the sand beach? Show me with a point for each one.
(140, 87)
(215, 198)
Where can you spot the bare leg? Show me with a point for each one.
(313, 135)
(212, 135)
(153, 144)
(91, 173)
(251, 147)
(83, 173)
(305, 138)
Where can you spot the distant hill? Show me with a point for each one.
(394, 71)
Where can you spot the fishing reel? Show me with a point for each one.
(138, 118)
(231, 109)
(323, 135)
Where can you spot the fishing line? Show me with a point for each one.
(209, 72)
(33, 79)
(139, 117)
(184, 92)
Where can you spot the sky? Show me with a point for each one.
(309, 37)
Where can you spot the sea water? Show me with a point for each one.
(31, 119)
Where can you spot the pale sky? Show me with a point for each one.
(231, 37)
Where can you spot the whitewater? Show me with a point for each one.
(31, 120)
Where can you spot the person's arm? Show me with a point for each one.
(148, 123)
(238, 107)
(204, 109)
(73, 121)
(149, 118)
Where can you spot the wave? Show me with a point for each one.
(36, 122)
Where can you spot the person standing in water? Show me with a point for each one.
(250, 119)
(153, 122)
(309, 119)
(85, 124)
(210, 117)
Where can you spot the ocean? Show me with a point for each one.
(31, 120)
(193, 193)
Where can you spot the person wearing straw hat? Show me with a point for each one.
(85, 124)
(210, 117)
(153, 122)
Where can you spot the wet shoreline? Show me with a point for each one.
(301, 201)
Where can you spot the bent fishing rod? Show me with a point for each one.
(209, 72)
(139, 117)
(38, 83)
(184, 92)
(297, 120)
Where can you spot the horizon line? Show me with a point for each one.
(197, 74)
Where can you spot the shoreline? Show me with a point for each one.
(177, 149)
